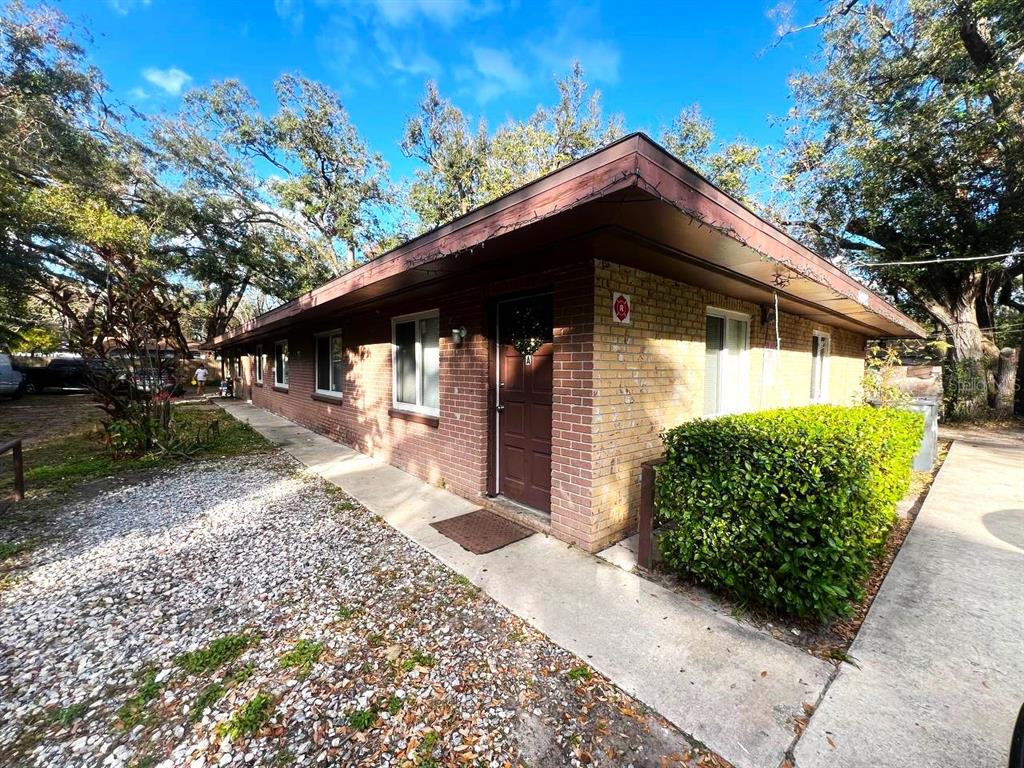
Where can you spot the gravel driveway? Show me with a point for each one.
(244, 612)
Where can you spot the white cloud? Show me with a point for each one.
(496, 73)
(138, 93)
(573, 40)
(291, 11)
(124, 7)
(170, 80)
(411, 59)
(446, 13)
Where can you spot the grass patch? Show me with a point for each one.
(345, 613)
(11, 550)
(394, 704)
(214, 692)
(362, 719)
(136, 709)
(303, 656)
(840, 654)
(375, 640)
(249, 718)
(67, 715)
(579, 674)
(216, 654)
(466, 584)
(80, 455)
(230, 437)
(209, 696)
(418, 659)
(429, 741)
(241, 674)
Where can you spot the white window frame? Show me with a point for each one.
(281, 381)
(727, 408)
(820, 378)
(337, 394)
(258, 364)
(417, 408)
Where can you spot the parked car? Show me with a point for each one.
(60, 373)
(12, 382)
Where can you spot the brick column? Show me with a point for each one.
(572, 408)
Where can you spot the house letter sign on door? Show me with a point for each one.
(622, 308)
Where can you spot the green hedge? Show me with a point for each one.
(786, 509)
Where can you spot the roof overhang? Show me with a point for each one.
(642, 195)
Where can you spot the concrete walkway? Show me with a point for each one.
(728, 686)
(941, 652)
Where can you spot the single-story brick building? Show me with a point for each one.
(529, 353)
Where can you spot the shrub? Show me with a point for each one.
(786, 509)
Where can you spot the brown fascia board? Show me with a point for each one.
(632, 161)
(601, 173)
(674, 182)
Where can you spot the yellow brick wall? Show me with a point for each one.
(649, 376)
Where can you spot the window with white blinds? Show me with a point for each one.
(726, 367)
(415, 363)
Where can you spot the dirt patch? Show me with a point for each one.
(38, 418)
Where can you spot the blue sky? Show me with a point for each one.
(495, 58)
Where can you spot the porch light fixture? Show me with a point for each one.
(458, 335)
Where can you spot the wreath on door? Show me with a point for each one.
(529, 327)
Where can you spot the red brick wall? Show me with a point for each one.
(454, 453)
(615, 388)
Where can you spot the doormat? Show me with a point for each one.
(482, 531)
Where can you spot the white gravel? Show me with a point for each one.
(127, 581)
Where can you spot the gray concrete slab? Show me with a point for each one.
(726, 685)
(941, 652)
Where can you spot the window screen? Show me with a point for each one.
(725, 358)
(405, 363)
(417, 361)
(281, 363)
(712, 352)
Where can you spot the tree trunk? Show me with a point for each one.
(965, 381)
(1018, 394)
(1006, 379)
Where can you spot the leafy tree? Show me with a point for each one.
(466, 167)
(731, 166)
(550, 138)
(37, 339)
(78, 237)
(908, 145)
(454, 155)
(51, 129)
(302, 181)
(339, 186)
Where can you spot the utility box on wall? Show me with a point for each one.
(929, 407)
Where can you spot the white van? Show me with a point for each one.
(11, 381)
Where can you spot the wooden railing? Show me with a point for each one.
(14, 446)
(645, 521)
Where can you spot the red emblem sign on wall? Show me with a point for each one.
(622, 308)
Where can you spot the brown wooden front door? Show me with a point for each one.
(524, 402)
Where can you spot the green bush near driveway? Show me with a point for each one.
(785, 509)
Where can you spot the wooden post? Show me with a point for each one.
(645, 521)
(19, 473)
(14, 446)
